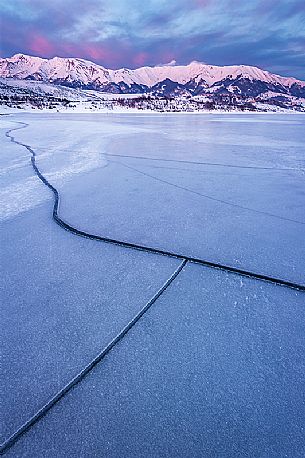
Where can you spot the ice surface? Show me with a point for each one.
(214, 368)
(20, 190)
(64, 298)
(229, 188)
(219, 360)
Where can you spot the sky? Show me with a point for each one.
(269, 34)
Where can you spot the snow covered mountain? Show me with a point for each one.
(26, 79)
(193, 79)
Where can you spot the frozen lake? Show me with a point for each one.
(218, 360)
(228, 188)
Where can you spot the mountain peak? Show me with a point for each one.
(19, 56)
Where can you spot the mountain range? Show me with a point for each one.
(196, 79)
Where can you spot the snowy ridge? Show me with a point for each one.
(83, 72)
(12, 85)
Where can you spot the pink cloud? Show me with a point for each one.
(97, 52)
(40, 45)
(90, 51)
(140, 58)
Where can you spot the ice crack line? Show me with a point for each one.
(212, 164)
(184, 260)
(73, 230)
(60, 394)
(225, 202)
(180, 161)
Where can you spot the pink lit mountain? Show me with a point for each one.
(193, 79)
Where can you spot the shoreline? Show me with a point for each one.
(6, 111)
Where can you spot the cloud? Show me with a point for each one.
(40, 45)
(172, 63)
(121, 33)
